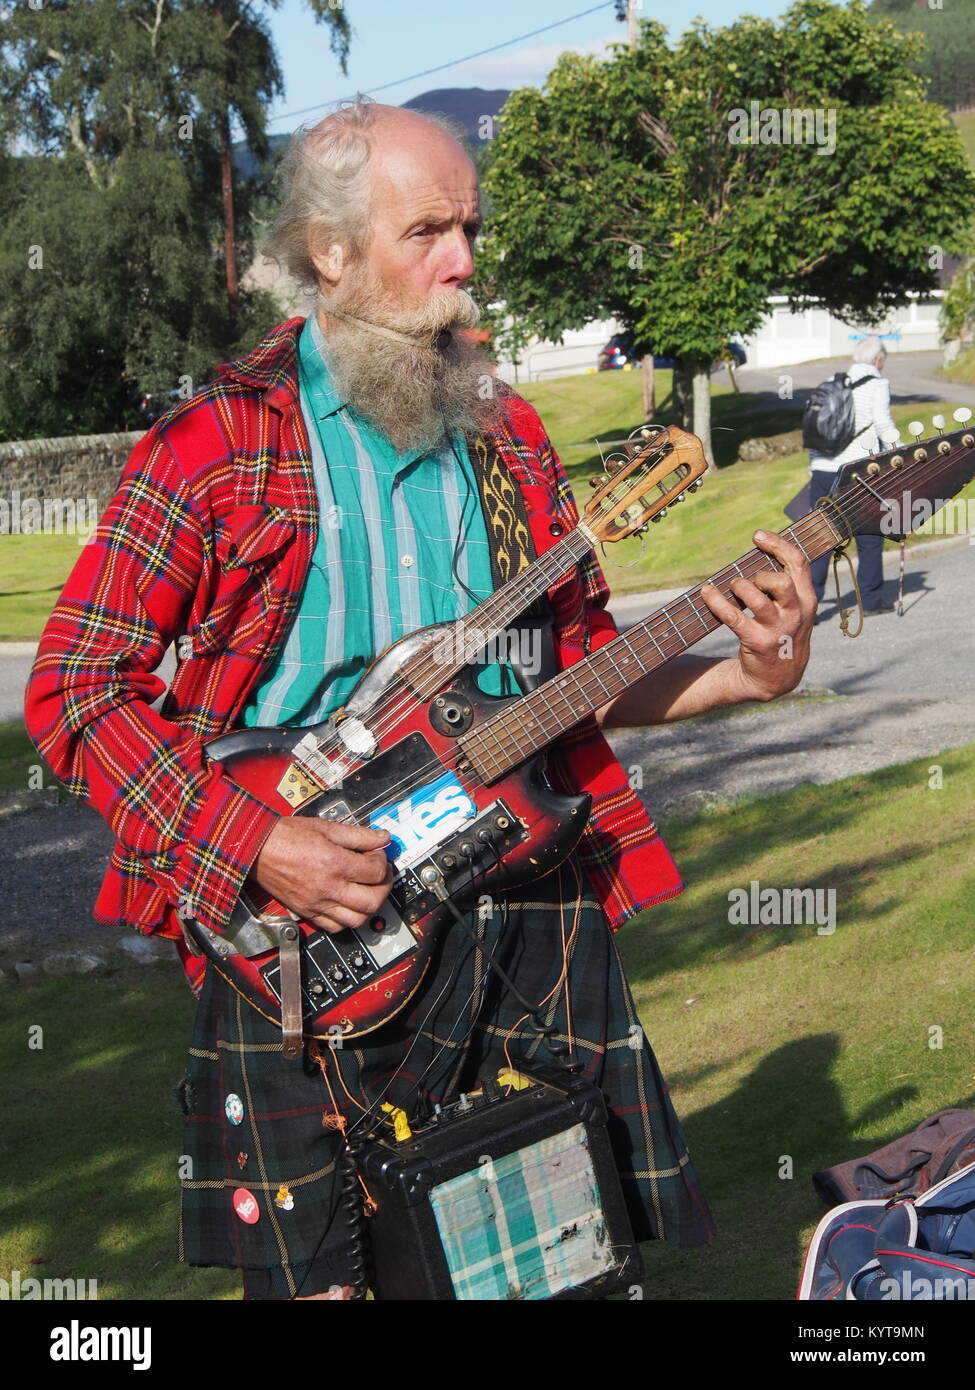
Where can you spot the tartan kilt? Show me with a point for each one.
(254, 1120)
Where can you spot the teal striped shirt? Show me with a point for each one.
(382, 563)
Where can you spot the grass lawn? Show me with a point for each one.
(21, 766)
(965, 121)
(962, 369)
(783, 1044)
(32, 574)
(776, 1041)
(709, 530)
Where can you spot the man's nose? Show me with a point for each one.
(458, 262)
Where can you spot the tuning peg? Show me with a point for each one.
(962, 414)
(915, 428)
(680, 497)
(938, 421)
(598, 482)
(693, 487)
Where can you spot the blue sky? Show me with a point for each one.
(395, 39)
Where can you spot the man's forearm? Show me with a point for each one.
(686, 686)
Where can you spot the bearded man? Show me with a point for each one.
(319, 499)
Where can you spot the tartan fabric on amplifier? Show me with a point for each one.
(256, 1120)
(501, 1237)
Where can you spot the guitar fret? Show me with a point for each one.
(680, 635)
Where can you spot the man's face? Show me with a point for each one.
(424, 219)
(410, 278)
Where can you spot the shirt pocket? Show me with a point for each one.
(250, 545)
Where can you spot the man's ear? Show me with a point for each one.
(330, 262)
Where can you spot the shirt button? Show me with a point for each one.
(406, 560)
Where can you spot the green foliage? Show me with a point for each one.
(114, 121)
(958, 306)
(617, 190)
(947, 60)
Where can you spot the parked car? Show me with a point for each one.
(621, 351)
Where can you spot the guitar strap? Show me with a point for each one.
(512, 550)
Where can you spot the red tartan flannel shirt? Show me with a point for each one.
(207, 543)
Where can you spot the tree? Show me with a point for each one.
(674, 189)
(947, 59)
(119, 201)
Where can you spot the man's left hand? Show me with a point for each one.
(774, 641)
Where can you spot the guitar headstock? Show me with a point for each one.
(661, 464)
(894, 493)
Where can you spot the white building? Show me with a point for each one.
(785, 337)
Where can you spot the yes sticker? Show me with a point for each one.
(246, 1206)
(421, 821)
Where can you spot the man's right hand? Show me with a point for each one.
(331, 874)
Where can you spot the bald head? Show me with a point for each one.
(334, 175)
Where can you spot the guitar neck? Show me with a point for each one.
(490, 618)
(531, 723)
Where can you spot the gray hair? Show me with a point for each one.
(325, 189)
(868, 350)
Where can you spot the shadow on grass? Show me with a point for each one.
(755, 1152)
(726, 845)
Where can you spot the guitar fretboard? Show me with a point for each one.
(497, 745)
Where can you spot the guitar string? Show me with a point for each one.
(392, 708)
(750, 563)
(400, 703)
(753, 563)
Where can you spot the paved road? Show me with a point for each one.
(911, 376)
(903, 689)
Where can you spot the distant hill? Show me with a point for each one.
(468, 105)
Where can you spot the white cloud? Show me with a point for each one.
(525, 67)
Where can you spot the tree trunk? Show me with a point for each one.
(649, 388)
(682, 391)
(229, 237)
(702, 411)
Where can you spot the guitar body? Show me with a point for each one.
(482, 839)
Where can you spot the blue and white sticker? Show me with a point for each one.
(424, 819)
(234, 1108)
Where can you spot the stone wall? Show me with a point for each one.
(40, 477)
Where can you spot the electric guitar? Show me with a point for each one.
(457, 776)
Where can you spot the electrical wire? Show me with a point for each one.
(441, 67)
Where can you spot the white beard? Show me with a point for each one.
(411, 392)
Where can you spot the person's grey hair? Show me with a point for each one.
(868, 350)
(324, 188)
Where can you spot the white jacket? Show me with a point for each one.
(872, 415)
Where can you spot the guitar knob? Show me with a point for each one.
(358, 960)
(336, 973)
(377, 923)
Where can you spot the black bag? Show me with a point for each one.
(828, 418)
